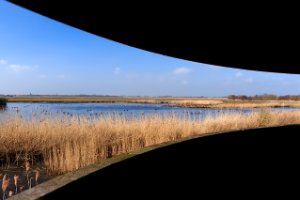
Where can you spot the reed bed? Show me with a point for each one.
(69, 143)
(227, 103)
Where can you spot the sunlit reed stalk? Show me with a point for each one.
(27, 168)
(30, 182)
(10, 193)
(5, 183)
(16, 180)
(22, 188)
(37, 175)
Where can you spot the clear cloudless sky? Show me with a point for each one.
(41, 56)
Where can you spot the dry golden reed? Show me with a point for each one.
(16, 182)
(5, 183)
(37, 175)
(69, 143)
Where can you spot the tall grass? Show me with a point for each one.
(69, 143)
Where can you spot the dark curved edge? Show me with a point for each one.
(249, 163)
(253, 37)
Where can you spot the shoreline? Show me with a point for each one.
(168, 101)
(165, 104)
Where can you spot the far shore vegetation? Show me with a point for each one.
(231, 101)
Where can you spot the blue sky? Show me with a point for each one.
(42, 56)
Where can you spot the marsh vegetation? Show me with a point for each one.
(37, 146)
(65, 144)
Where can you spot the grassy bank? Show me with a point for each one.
(227, 103)
(173, 101)
(67, 144)
(100, 99)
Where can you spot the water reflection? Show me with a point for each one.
(127, 110)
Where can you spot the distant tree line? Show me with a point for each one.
(264, 97)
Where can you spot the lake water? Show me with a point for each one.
(28, 110)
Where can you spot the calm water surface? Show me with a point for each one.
(28, 110)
